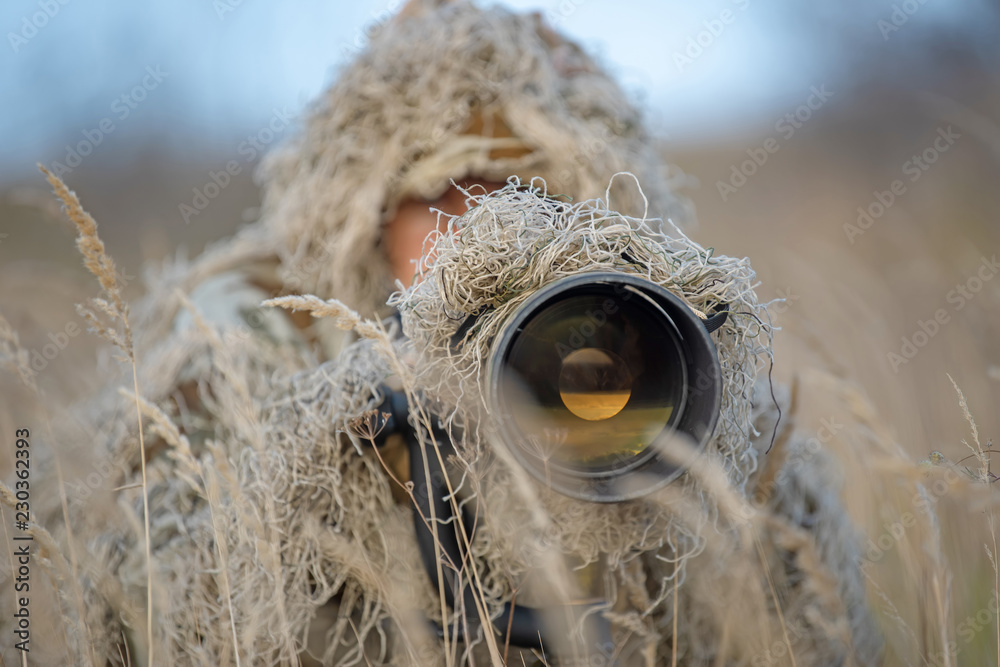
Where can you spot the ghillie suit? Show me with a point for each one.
(277, 532)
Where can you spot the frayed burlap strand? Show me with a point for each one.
(520, 238)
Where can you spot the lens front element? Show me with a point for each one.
(592, 380)
(594, 371)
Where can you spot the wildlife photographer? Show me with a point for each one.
(466, 393)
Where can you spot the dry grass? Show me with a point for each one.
(919, 610)
(116, 330)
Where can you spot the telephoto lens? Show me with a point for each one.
(592, 382)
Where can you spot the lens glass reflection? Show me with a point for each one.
(592, 379)
(594, 384)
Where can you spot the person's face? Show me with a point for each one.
(405, 233)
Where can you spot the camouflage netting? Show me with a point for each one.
(509, 245)
(486, 93)
(277, 532)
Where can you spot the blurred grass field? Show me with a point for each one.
(850, 301)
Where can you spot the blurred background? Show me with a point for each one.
(782, 117)
(850, 149)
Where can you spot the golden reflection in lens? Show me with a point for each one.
(594, 384)
(599, 404)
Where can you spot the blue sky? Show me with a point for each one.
(228, 64)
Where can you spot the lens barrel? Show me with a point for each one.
(594, 380)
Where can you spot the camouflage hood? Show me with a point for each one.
(445, 92)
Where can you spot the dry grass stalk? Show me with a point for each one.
(986, 475)
(343, 317)
(71, 541)
(296, 474)
(14, 356)
(97, 261)
(774, 596)
(17, 359)
(347, 319)
(48, 555)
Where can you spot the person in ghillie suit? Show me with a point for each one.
(280, 535)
